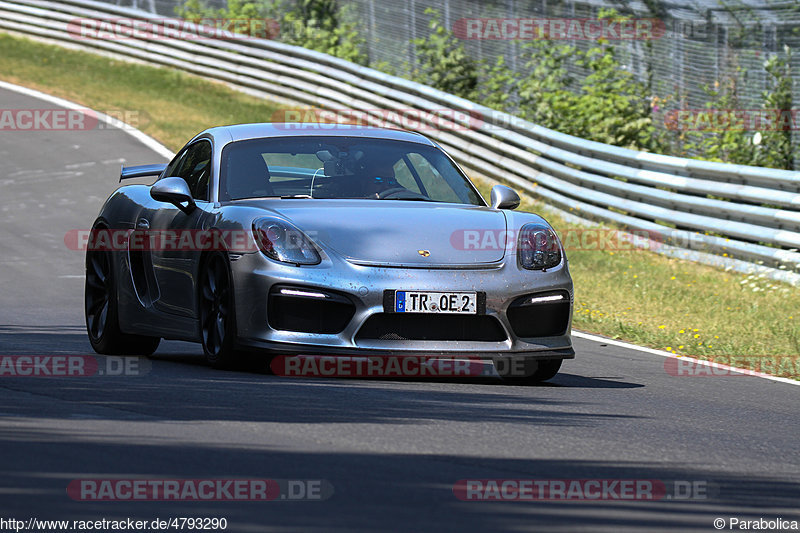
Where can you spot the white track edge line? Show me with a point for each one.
(143, 138)
(662, 353)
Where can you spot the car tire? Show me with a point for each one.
(526, 371)
(216, 312)
(101, 313)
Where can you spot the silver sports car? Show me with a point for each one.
(313, 239)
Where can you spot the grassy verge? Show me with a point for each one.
(682, 307)
(171, 106)
(637, 295)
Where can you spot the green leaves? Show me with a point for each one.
(321, 25)
(725, 144)
(545, 95)
(442, 61)
(314, 24)
(775, 149)
(609, 105)
(614, 104)
(497, 85)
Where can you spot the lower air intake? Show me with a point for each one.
(425, 327)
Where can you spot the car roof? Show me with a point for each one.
(241, 132)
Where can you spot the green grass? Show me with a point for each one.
(638, 296)
(679, 306)
(171, 106)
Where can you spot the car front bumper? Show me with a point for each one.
(254, 276)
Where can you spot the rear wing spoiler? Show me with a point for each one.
(141, 171)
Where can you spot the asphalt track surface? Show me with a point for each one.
(392, 450)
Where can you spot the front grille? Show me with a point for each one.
(426, 327)
(545, 319)
(289, 312)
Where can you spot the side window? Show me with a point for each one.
(194, 166)
(404, 177)
(432, 180)
(175, 164)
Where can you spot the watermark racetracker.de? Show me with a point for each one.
(200, 490)
(717, 120)
(391, 366)
(406, 366)
(409, 118)
(554, 29)
(71, 120)
(72, 366)
(155, 29)
(532, 490)
(235, 241)
(571, 239)
(733, 366)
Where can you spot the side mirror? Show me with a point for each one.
(173, 191)
(504, 197)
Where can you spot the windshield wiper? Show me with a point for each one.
(292, 196)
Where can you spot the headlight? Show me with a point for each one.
(281, 241)
(538, 247)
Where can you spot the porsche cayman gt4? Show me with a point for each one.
(304, 239)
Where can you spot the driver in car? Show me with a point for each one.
(377, 177)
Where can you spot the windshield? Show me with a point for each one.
(341, 167)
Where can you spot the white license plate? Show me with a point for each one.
(465, 303)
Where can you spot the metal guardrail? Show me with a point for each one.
(750, 213)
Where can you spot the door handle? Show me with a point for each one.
(143, 223)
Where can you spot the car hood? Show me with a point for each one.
(400, 232)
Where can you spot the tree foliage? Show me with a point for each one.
(442, 62)
(608, 104)
(320, 25)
